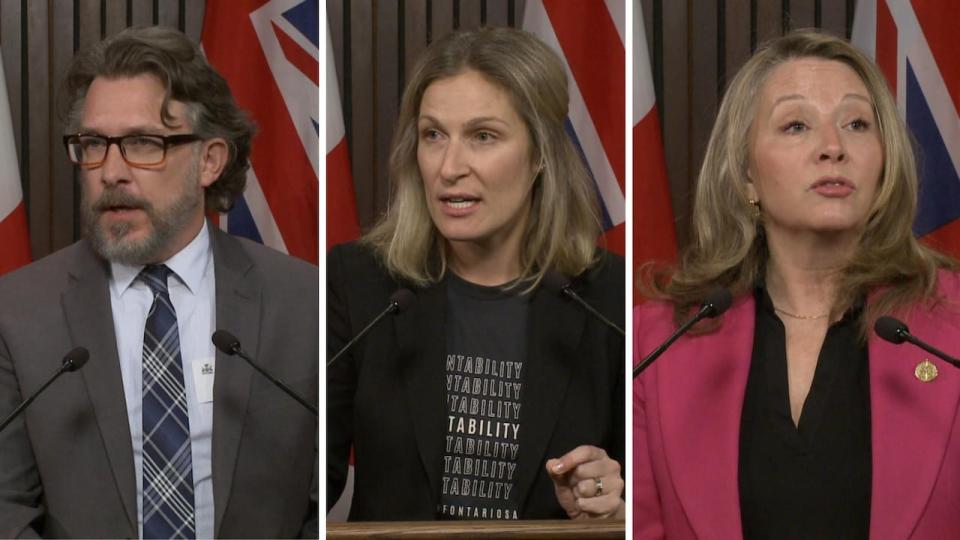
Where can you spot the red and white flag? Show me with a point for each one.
(916, 46)
(654, 234)
(14, 238)
(268, 50)
(342, 222)
(589, 37)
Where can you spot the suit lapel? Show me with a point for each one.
(420, 336)
(553, 335)
(86, 306)
(238, 290)
(701, 423)
(911, 422)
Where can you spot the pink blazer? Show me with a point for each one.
(686, 427)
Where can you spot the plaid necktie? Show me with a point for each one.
(168, 505)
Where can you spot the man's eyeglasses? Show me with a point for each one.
(90, 151)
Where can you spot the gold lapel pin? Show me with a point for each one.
(925, 371)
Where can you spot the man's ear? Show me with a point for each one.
(213, 159)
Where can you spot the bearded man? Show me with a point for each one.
(159, 435)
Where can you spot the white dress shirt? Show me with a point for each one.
(192, 292)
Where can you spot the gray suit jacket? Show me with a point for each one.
(66, 466)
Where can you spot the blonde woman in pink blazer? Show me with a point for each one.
(787, 417)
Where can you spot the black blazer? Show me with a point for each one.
(386, 398)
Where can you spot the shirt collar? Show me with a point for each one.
(189, 264)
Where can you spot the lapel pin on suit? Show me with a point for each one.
(925, 371)
(896, 332)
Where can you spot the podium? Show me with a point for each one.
(528, 529)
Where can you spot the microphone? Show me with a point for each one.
(718, 300)
(399, 301)
(896, 332)
(72, 361)
(230, 345)
(556, 282)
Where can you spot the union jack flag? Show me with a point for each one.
(916, 46)
(268, 50)
(589, 36)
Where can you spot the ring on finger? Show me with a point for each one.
(598, 483)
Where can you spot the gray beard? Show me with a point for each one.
(110, 242)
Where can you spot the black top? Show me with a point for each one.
(811, 480)
(385, 398)
(485, 356)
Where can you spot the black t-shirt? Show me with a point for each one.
(810, 480)
(486, 330)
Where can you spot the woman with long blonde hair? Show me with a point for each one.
(490, 396)
(788, 418)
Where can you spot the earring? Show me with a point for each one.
(756, 208)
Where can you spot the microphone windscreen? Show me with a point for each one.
(76, 359)
(890, 329)
(226, 342)
(555, 281)
(402, 298)
(718, 301)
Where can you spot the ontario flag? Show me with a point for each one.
(654, 233)
(342, 222)
(14, 239)
(916, 46)
(268, 50)
(589, 36)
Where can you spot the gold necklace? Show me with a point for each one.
(800, 317)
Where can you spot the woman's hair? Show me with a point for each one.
(181, 68)
(563, 225)
(728, 246)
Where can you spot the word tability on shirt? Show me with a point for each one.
(483, 432)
